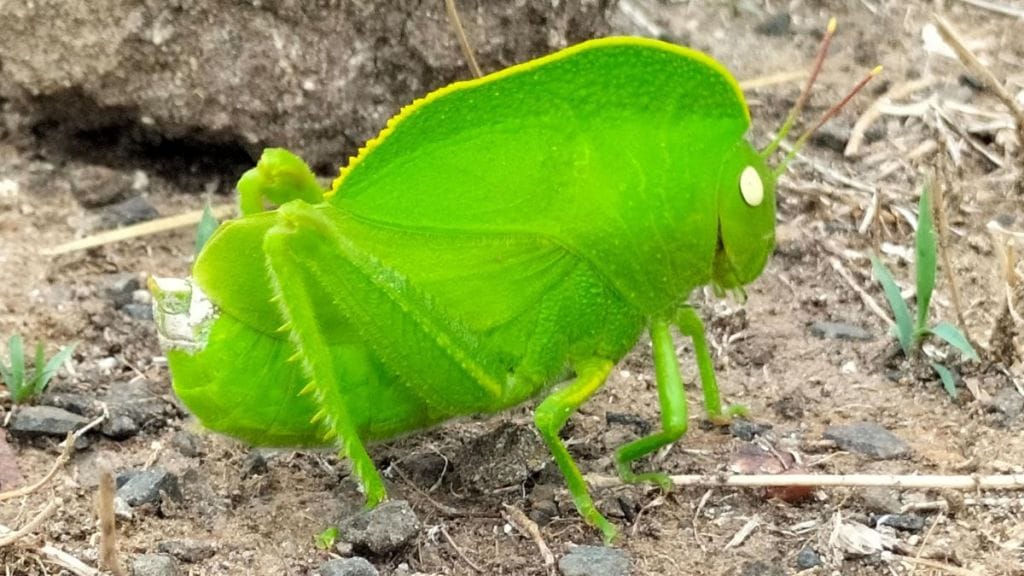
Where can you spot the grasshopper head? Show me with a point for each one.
(746, 218)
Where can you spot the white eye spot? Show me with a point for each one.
(751, 186)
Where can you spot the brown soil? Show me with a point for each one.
(767, 358)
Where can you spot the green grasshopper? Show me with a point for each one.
(502, 238)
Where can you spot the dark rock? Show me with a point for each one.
(807, 558)
(119, 427)
(594, 561)
(138, 311)
(840, 331)
(94, 186)
(908, 522)
(146, 486)
(382, 530)
(255, 464)
(125, 213)
(134, 405)
(424, 469)
(509, 455)
(761, 568)
(638, 423)
(348, 567)
(776, 25)
(190, 551)
(118, 288)
(186, 443)
(318, 80)
(869, 439)
(1007, 402)
(34, 421)
(155, 565)
(747, 430)
(80, 404)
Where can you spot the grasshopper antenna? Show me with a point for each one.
(460, 32)
(828, 115)
(794, 113)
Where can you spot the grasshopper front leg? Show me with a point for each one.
(689, 324)
(298, 307)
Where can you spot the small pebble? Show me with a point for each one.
(869, 439)
(94, 186)
(1007, 402)
(776, 25)
(747, 430)
(382, 530)
(130, 211)
(807, 558)
(186, 443)
(595, 561)
(348, 567)
(761, 568)
(119, 287)
(146, 486)
(908, 522)
(255, 464)
(155, 565)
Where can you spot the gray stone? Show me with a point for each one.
(594, 561)
(840, 331)
(155, 565)
(133, 405)
(138, 311)
(94, 186)
(80, 404)
(776, 25)
(125, 213)
(1007, 402)
(880, 500)
(255, 464)
(190, 551)
(869, 439)
(34, 421)
(382, 530)
(908, 522)
(119, 287)
(509, 455)
(186, 443)
(318, 78)
(138, 487)
(747, 430)
(348, 567)
(807, 558)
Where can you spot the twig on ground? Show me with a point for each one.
(864, 296)
(696, 515)
(971, 62)
(8, 538)
(528, 527)
(772, 79)
(459, 551)
(874, 112)
(942, 223)
(936, 565)
(906, 481)
(460, 33)
(743, 532)
(144, 229)
(67, 561)
(108, 555)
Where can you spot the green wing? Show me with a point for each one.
(615, 138)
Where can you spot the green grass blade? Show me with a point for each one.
(925, 259)
(948, 379)
(952, 335)
(16, 384)
(207, 226)
(904, 328)
(53, 366)
(37, 383)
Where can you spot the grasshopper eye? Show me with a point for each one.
(751, 186)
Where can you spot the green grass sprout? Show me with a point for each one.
(22, 383)
(207, 226)
(911, 332)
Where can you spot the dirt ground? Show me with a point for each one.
(263, 521)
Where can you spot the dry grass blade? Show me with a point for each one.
(528, 527)
(138, 230)
(13, 536)
(874, 112)
(996, 7)
(108, 554)
(908, 481)
(460, 32)
(972, 63)
(773, 79)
